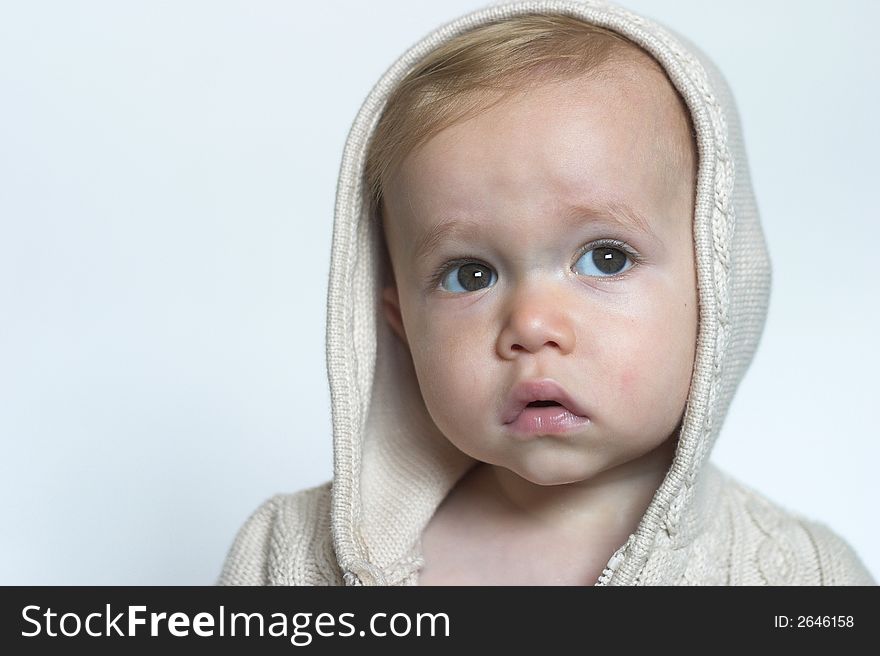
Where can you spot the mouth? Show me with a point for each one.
(543, 404)
(540, 401)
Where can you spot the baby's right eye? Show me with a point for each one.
(467, 276)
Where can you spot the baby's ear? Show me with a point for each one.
(391, 309)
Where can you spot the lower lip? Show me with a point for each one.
(549, 420)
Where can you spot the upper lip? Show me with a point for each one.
(543, 389)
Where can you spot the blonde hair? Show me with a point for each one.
(477, 69)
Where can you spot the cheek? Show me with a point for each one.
(444, 338)
(653, 358)
(450, 366)
(636, 372)
(629, 383)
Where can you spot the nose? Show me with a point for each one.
(536, 320)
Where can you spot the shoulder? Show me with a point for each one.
(838, 561)
(286, 541)
(773, 545)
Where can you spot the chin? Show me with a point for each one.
(552, 473)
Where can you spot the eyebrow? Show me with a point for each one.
(613, 213)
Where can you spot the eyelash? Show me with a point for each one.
(440, 272)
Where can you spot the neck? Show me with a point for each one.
(610, 503)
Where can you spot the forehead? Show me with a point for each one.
(618, 136)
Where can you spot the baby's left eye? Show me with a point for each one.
(604, 261)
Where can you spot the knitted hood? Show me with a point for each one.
(392, 466)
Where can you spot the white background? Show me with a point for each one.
(167, 178)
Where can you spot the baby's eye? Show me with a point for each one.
(467, 277)
(604, 261)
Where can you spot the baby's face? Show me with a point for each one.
(547, 275)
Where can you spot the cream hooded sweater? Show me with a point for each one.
(392, 467)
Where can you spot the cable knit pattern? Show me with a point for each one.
(286, 541)
(750, 541)
(393, 467)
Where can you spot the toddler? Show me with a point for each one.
(548, 277)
